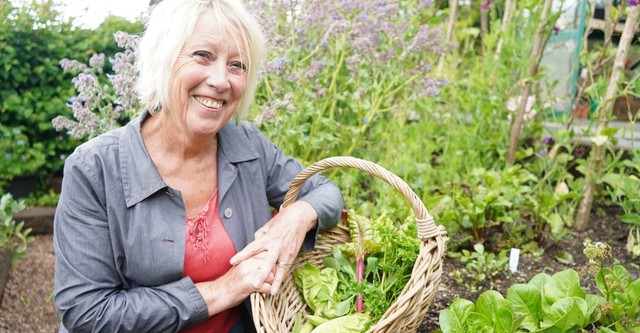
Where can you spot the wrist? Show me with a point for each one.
(307, 214)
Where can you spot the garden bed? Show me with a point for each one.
(27, 304)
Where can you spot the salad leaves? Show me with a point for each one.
(364, 275)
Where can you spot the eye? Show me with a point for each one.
(239, 65)
(202, 55)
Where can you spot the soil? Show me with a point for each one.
(27, 304)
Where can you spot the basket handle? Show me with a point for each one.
(426, 226)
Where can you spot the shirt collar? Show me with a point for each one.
(234, 143)
(140, 177)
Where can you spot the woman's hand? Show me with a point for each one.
(237, 284)
(279, 241)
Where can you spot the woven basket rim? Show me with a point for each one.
(407, 312)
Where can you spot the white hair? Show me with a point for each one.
(169, 26)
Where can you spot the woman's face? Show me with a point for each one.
(208, 79)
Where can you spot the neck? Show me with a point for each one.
(164, 137)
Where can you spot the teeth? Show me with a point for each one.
(209, 103)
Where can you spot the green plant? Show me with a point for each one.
(13, 236)
(479, 266)
(340, 69)
(491, 313)
(623, 189)
(365, 275)
(555, 303)
(19, 157)
(621, 306)
(492, 198)
(34, 37)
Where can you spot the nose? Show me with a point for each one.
(218, 76)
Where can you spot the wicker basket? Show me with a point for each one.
(276, 314)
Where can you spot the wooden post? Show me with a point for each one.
(598, 151)
(536, 56)
(484, 20)
(453, 13)
(506, 19)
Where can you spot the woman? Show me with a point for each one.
(165, 225)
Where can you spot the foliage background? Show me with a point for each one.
(34, 89)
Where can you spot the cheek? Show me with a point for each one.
(240, 87)
(182, 80)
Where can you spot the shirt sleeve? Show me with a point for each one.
(322, 194)
(90, 293)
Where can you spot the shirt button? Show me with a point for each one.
(228, 213)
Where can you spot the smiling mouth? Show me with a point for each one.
(210, 103)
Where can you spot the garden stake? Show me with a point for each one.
(596, 157)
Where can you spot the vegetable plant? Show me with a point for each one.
(479, 266)
(623, 190)
(364, 276)
(555, 303)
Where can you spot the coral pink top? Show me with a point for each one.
(207, 254)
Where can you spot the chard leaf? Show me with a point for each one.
(454, 318)
(525, 300)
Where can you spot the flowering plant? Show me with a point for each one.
(339, 67)
(100, 107)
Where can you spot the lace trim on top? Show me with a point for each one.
(199, 228)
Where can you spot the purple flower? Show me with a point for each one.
(485, 6)
(97, 61)
(548, 140)
(633, 3)
(72, 65)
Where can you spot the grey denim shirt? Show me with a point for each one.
(119, 230)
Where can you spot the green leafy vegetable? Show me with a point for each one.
(319, 289)
(348, 324)
(374, 267)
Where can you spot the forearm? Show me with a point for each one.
(168, 308)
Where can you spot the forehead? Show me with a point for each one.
(211, 32)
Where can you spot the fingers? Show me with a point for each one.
(282, 269)
(249, 251)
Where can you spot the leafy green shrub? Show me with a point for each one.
(33, 90)
(12, 234)
(19, 157)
